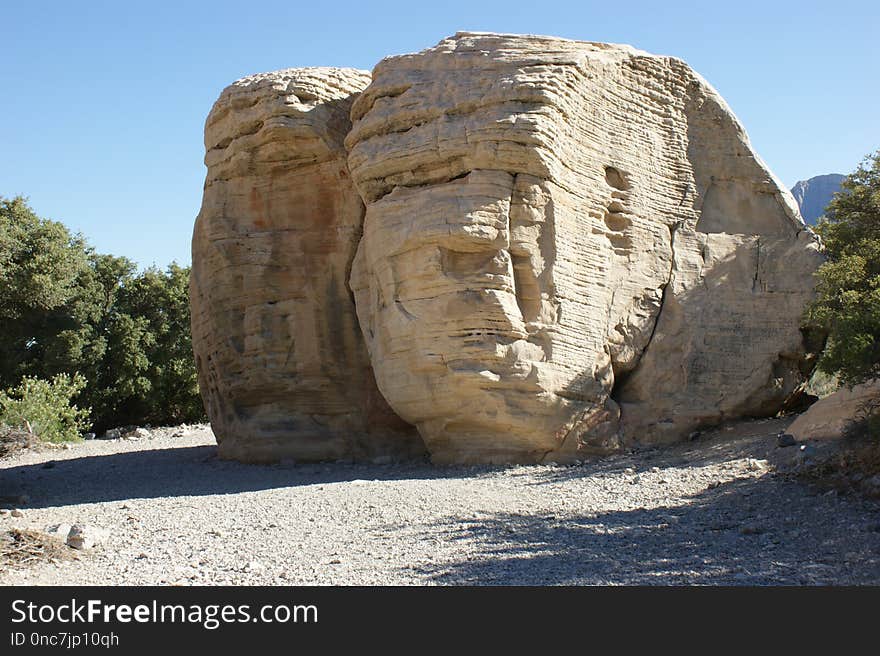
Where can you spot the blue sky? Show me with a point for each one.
(104, 103)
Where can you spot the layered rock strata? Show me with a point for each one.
(562, 248)
(282, 365)
(568, 246)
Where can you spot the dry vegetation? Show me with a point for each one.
(13, 440)
(24, 547)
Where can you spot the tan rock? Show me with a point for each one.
(828, 418)
(282, 364)
(557, 232)
(86, 536)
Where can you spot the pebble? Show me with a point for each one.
(60, 531)
(756, 465)
(16, 513)
(86, 536)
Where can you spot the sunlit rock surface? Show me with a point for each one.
(563, 248)
(568, 246)
(282, 364)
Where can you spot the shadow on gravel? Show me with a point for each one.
(761, 531)
(755, 438)
(196, 471)
(185, 471)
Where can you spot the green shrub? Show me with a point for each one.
(65, 308)
(847, 305)
(45, 407)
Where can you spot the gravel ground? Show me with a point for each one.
(712, 511)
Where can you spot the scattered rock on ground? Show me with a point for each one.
(61, 531)
(177, 513)
(86, 536)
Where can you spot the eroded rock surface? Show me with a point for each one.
(829, 418)
(569, 246)
(282, 364)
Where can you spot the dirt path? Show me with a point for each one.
(708, 512)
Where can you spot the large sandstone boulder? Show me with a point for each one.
(569, 246)
(282, 364)
(828, 418)
(562, 248)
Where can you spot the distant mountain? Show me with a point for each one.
(813, 195)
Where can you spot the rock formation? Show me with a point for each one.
(282, 365)
(828, 418)
(557, 231)
(813, 195)
(567, 247)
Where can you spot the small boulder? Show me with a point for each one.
(86, 536)
(828, 418)
(60, 531)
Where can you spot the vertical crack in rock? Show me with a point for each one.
(521, 322)
(757, 263)
(282, 364)
(742, 278)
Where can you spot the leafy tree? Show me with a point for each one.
(151, 369)
(848, 284)
(44, 272)
(66, 309)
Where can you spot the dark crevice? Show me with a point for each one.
(622, 378)
(757, 264)
(379, 195)
(617, 178)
